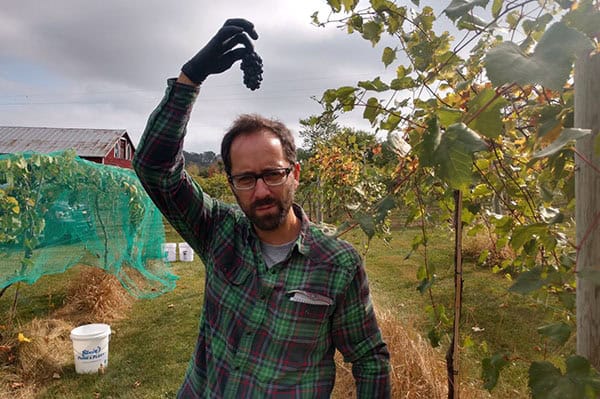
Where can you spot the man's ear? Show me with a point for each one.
(296, 173)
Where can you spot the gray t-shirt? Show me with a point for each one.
(273, 254)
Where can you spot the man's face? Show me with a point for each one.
(266, 206)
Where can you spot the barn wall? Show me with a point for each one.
(110, 159)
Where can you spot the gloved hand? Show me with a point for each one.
(217, 56)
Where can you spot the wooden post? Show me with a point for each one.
(453, 353)
(587, 206)
(319, 207)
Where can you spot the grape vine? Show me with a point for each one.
(490, 114)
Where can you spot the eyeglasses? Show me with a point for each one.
(272, 177)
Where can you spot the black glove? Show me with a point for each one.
(217, 56)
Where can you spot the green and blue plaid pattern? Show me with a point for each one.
(264, 333)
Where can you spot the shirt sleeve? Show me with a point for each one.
(357, 336)
(159, 164)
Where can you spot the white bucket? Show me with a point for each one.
(169, 251)
(186, 254)
(90, 347)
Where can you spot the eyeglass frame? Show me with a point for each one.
(257, 176)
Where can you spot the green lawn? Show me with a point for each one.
(150, 349)
(492, 318)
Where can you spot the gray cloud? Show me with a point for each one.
(104, 63)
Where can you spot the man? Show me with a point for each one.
(280, 296)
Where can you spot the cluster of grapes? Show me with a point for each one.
(252, 67)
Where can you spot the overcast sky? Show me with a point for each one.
(104, 63)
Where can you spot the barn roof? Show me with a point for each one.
(85, 142)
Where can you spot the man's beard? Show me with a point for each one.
(270, 221)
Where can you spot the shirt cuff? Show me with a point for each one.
(181, 96)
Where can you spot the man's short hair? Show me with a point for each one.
(252, 123)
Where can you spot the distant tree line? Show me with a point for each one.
(203, 164)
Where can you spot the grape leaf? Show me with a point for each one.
(528, 281)
(550, 64)
(454, 155)
(375, 85)
(389, 55)
(522, 234)
(490, 369)
(579, 381)
(497, 7)
(487, 109)
(563, 139)
(431, 141)
(459, 8)
(557, 332)
(449, 116)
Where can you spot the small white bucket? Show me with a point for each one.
(186, 254)
(169, 251)
(90, 347)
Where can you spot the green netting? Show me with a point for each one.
(57, 210)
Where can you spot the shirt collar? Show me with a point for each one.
(305, 238)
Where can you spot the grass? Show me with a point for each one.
(492, 318)
(151, 346)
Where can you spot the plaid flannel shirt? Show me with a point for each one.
(264, 333)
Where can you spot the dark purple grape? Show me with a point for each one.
(252, 67)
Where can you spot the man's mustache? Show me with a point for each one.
(264, 202)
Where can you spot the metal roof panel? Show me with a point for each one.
(85, 142)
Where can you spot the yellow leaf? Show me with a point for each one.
(15, 205)
(521, 141)
(23, 338)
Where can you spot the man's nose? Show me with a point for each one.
(261, 189)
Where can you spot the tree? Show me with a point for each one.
(489, 115)
(217, 186)
(200, 164)
(315, 131)
(343, 174)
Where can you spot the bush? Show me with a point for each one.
(216, 186)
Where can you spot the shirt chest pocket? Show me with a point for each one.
(300, 322)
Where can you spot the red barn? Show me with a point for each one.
(105, 146)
